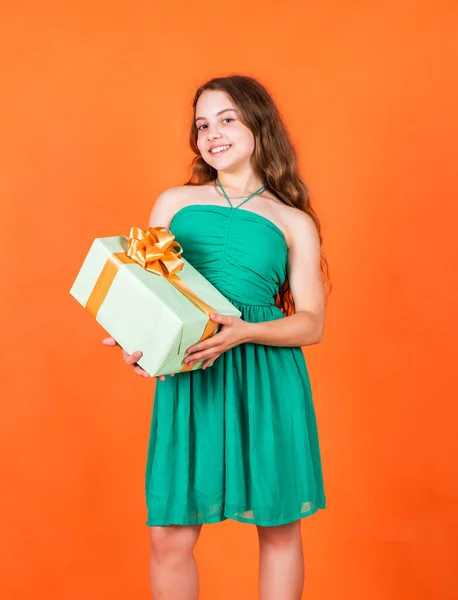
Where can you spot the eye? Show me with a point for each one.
(225, 119)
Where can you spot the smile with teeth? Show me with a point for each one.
(220, 149)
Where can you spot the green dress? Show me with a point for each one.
(237, 440)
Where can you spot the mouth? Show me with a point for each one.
(220, 150)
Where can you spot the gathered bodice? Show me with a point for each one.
(241, 253)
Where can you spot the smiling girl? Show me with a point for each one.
(239, 440)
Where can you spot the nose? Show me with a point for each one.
(213, 132)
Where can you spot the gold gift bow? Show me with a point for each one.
(156, 251)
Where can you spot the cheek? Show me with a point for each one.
(244, 140)
(200, 142)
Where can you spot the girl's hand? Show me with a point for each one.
(234, 331)
(131, 359)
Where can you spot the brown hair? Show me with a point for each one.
(274, 153)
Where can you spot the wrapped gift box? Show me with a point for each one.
(149, 298)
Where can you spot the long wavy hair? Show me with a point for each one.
(274, 153)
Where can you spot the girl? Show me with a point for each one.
(239, 440)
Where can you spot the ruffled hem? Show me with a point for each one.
(234, 516)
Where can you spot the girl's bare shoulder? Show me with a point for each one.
(173, 199)
(293, 221)
(187, 194)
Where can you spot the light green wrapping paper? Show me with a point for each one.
(143, 311)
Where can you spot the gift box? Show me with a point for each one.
(149, 298)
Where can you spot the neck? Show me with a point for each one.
(240, 183)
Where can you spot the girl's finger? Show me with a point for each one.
(198, 356)
(109, 341)
(213, 341)
(209, 362)
(131, 359)
(140, 371)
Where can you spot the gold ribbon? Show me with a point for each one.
(156, 251)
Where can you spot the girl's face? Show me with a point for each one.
(224, 142)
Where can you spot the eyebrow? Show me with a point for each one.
(218, 113)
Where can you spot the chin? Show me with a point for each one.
(227, 165)
(221, 165)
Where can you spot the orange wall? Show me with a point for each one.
(94, 116)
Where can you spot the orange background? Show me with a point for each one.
(94, 114)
